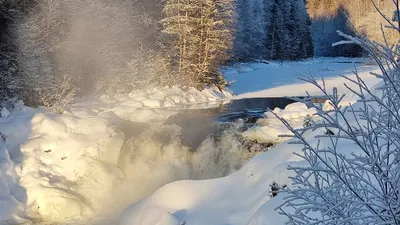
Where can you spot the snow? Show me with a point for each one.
(239, 198)
(266, 79)
(56, 167)
(270, 127)
(4, 112)
(102, 155)
(243, 197)
(229, 200)
(10, 206)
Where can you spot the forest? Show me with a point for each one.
(53, 50)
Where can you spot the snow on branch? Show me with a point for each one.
(352, 176)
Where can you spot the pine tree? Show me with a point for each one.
(250, 29)
(242, 46)
(276, 30)
(272, 29)
(217, 41)
(202, 36)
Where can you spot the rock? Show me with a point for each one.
(329, 132)
(275, 188)
(254, 146)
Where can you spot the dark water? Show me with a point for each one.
(198, 124)
(251, 104)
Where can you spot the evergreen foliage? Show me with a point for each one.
(272, 29)
(203, 36)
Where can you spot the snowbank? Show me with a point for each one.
(234, 199)
(269, 128)
(55, 167)
(151, 105)
(11, 197)
(60, 159)
(230, 200)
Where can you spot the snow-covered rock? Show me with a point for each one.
(4, 112)
(153, 103)
(64, 162)
(269, 129)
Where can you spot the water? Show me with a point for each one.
(198, 124)
(193, 144)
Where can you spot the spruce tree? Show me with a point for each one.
(242, 45)
(280, 32)
(202, 35)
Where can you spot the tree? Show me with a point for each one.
(362, 15)
(202, 36)
(288, 30)
(8, 62)
(38, 39)
(217, 39)
(242, 46)
(362, 186)
(272, 22)
(304, 29)
(10, 12)
(56, 48)
(272, 29)
(324, 35)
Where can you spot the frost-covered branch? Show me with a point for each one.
(353, 176)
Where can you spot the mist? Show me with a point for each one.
(88, 48)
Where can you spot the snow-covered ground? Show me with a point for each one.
(100, 156)
(273, 79)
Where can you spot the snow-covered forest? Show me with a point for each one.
(273, 29)
(49, 52)
(194, 112)
(330, 16)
